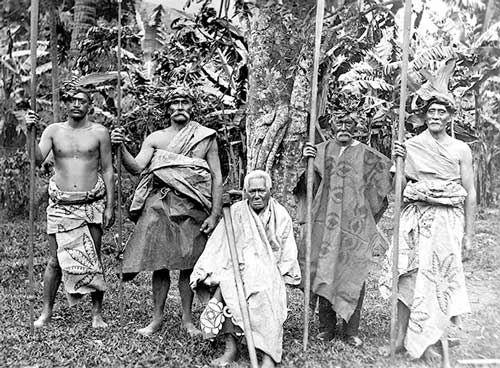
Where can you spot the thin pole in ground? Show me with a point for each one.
(320, 10)
(119, 159)
(242, 298)
(399, 176)
(32, 142)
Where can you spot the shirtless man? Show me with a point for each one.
(176, 204)
(437, 225)
(80, 148)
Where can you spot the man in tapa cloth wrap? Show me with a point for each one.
(267, 254)
(80, 200)
(175, 205)
(351, 182)
(436, 222)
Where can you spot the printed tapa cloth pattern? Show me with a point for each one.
(68, 217)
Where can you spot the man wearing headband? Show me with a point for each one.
(176, 204)
(80, 200)
(437, 223)
(352, 181)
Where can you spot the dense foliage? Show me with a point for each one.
(360, 67)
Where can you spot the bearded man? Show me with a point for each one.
(175, 205)
(267, 256)
(351, 183)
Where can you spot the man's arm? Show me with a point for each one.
(107, 175)
(133, 165)
(467, 177)
(399, 150)
(141, 161)
(43, 148)
(214, 164)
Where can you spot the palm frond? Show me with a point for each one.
(466, 4)
(436, 53)
(492, 34)
(358, 86)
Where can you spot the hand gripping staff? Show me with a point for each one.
(242, 298)
(320, 10)
(32, 142)
(119, 158)
(399, 175)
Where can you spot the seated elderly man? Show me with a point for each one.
(268, 260)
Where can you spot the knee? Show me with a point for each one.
(185, 274)
(53, 264)
(162, 274)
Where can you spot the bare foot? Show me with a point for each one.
(354, 341)
(42, 321)
(230, 353)
(431, 356)
(452, 342)
(98, 322)
(267, 362)
(224, 360)
(150, 329)
(326, 336)
(191, 329)
(386, 350)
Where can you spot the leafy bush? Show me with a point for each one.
(15, 183)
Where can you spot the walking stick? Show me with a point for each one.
(242, 298)
(320, 9)
(32, 142)
(399, 175)
(119, 158)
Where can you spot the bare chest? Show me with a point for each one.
(68, 143)
(164, 139)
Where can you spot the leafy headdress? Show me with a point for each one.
(177, 92)
(436, 88)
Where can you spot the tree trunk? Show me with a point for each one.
(489, 14)
(280, 48)
(85, 14)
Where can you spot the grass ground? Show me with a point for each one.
(69, 341)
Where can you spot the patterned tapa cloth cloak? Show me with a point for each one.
(430, 242)
(351, 184)
(68, 216)
(267, 254)
(170, 203)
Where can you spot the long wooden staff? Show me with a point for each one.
(32, 139)
(320, 10)
(242, 298)
(119, 158)
(399, 175)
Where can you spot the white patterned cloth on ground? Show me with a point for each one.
(68, 217)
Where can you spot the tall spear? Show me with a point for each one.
(119, 155)
(320, 10)
(399, 175)
(31, 138)
(240, 288)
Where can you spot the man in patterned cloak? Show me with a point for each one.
(351, 183)
(80, 200)
(175, 205)
(437, 221)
